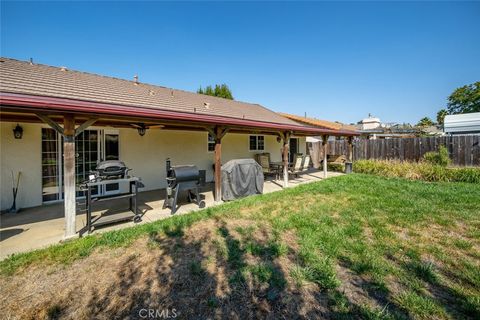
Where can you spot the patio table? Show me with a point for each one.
(277, 167)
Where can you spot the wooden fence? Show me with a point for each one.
(464, 150)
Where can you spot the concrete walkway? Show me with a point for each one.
(38, 227)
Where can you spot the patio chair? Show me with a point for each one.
(296, 167)
(306, 162)
(263, 159)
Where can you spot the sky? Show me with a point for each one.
(338, 61)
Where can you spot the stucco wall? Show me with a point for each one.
(145, 155)
(21, 155)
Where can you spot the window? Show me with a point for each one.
(257, 143)
(211, 143)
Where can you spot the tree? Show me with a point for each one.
(441, 116)
(465, 99)
(222, 91)
(425, 122)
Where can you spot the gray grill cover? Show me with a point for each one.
(241, 178)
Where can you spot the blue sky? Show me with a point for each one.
(337, 61)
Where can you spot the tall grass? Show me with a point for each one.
(417, 171)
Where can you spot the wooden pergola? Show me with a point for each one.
(70, 117)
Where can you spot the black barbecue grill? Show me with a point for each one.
(186, 177)
(110, 169)
(107, 173)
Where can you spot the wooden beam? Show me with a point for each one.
(350, 149)
(69, 175)
(52, 123)
(325, 150)
(85, 125)
(211, 131)
(286, 145)
(218, 134)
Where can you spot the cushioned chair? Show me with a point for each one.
(296, 167)
(306, 162)
(263, 159)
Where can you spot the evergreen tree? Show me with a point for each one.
(222, 91)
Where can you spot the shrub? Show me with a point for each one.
(439, 157)
(417, 171)
(337, 167)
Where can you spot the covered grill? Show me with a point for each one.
(184, 177)
(241, 178)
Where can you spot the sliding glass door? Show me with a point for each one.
(91, 147)
(51, 164)
(87, 151)
(111, 152)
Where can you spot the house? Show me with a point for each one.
(372, 128)
(57, 123)
(466, 123)
(316, 151)
(319, 123)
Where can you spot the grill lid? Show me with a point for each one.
(111, 168)
(184, 173)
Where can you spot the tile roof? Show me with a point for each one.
(22, 77)
(319, 123)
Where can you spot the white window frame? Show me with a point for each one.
(256, 142)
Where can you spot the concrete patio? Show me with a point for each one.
(38, 227)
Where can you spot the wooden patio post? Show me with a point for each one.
(218, 133)
(325, 150)
(286, 146)
(69, 175)
(350, 149)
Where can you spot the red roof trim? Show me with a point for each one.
(69, 105)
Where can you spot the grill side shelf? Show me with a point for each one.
(116, 196)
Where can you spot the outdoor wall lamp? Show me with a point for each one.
(18, 132)
(141, 130)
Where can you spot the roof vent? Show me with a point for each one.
(31, 61)
(63, 68)
(135, 79)
(171, 93)
(206, 105)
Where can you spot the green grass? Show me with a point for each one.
(393, 234)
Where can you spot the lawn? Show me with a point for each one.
(350, 246)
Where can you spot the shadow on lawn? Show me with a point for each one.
(183, 273)
(176, 280)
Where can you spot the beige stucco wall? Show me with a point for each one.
(145, 155)
(21, 155)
